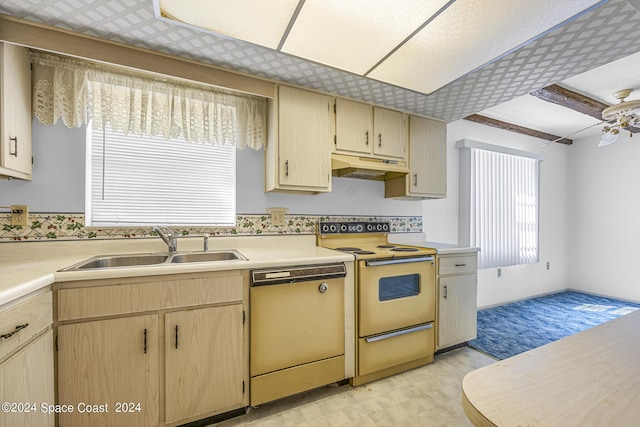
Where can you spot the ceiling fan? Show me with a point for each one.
(622, 116)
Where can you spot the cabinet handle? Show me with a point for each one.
(415, 179)
(145, 341)
(15, 146)
(460, 265)
(380, 139)
(286, 168)
(15, 331)
(367, 139)
(445, 292)
(176, 336)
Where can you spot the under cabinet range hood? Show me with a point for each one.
(367, 168)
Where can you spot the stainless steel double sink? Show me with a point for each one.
(144, 260)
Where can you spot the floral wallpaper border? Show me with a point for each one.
(71, 227)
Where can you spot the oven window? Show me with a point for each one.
(394, 287)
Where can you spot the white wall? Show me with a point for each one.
(604, 226)
(441, 218)
(58, 183)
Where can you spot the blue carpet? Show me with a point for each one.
(511, 329)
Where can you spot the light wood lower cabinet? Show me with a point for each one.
(183, 358)
(110, 362)
(457, 295)
(203, 351)
(26, 379)
(26, 361)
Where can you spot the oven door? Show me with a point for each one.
(395, 293)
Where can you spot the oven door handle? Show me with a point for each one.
(375, 263)
(398, 333)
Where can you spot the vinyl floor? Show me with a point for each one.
(429, 396)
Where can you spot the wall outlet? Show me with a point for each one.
(278, 216)
(548, 265)
(499, 272)
(19, 214)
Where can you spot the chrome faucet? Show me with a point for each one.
(168, 236)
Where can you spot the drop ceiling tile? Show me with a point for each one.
(354, 35)
(468, 35)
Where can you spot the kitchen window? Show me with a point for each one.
(134, 180)
(161, 150)
(499, 203)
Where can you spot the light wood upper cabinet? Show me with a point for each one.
(203, 351)
(15, 112)
(427, 178)
(298, 154)
(390, 133)
(354, 127)
(368, 131)
(107, 362)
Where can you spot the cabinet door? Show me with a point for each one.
(205, 367)
(390, 133)
(108, 362)
(15, 95)
(354, 127)
(427, 157)
(305, 138)
(457, 319)
(27, 377)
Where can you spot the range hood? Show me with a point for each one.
(367, 168)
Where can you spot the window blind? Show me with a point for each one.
(499, 202)
(138, 180)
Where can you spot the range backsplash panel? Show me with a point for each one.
(71, 227)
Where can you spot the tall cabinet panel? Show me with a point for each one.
(427, 178)
(15, 111)
(299, 151)
(106, 362)
(203, 369)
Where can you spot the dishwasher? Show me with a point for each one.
(297, 329)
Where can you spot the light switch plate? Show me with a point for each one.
(19, 214)
(278, 216)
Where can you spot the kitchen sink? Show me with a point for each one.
(145, 260)
(228, 255)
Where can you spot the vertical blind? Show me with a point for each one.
(147, 181)
(500, 200)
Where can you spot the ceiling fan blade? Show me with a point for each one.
(583, 129)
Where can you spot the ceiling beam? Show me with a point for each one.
(572, 100)
(518, 129)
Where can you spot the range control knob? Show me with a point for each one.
(379, 227)
(333, 228)
(323, 288)
(385, 227)
(343, 228)
(369, 227)
(359, 228)
(325, 228)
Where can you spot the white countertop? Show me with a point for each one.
(28, 266)
(419, 239)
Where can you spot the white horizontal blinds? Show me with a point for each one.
(504, 208)
(142, 180)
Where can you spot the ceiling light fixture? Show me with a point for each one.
(626, 115)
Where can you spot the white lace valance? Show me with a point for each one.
(78, 91)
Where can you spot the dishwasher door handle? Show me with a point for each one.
(375, 263)
(398, 333)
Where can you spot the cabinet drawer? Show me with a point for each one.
(23, 321)
(98, 301)
(457, 265)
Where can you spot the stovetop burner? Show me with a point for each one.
(405, 250)
(356, 251)
(385, 246)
